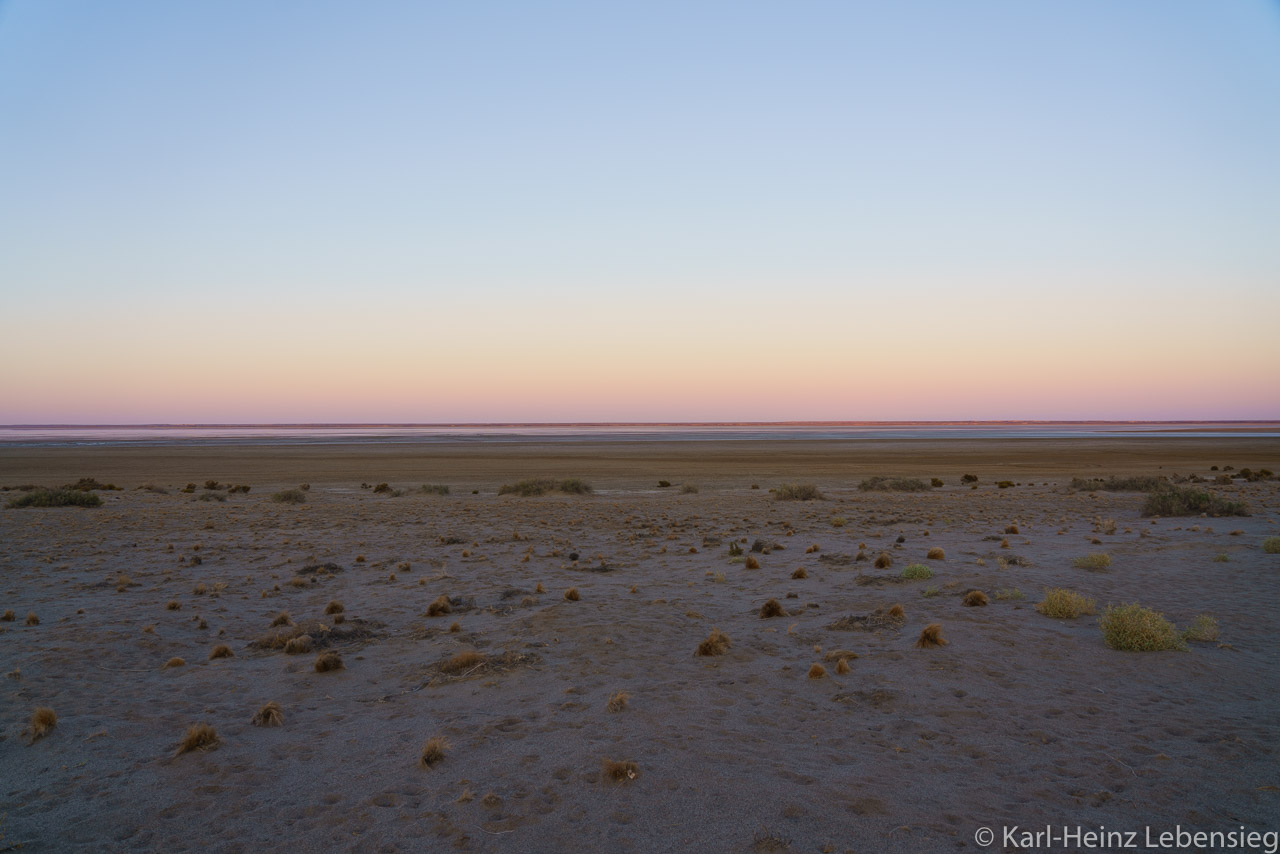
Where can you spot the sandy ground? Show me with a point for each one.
(1020, 720)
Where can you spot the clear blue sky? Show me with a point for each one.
(1078, 194)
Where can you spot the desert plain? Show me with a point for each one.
(587, 722)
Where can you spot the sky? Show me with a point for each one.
(313, 211)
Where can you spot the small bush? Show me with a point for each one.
(1010, 593)
(621, 772)
(893, 484)
(717, 643)
(327, 661)
(975, 599)
(1185, 501)
(42, 723)
(541, 486)
(798, 492)
(198, 737)
(688, 489)
(931, 637)
(618, 702)
(269, 715)
(1133, 628)
(839, 521)
(884, 560)
(435, 489)
(572, 595)
(936, 553)
(1004, 484)
(1097, 561)
(752, 563)
(663, 484)
(1203, 628)
(935, 482)
(771, 608)
(221, 651)
(1119, 484)
(817, 671)
(917, 572)
(1063, 604)
(969, 478)
(433, 751)
(56, 498)
(1271, 545)
(290, 496)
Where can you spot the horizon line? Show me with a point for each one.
(552, 424)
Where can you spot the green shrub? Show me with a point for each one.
(798, 492)
(435, 489)
(1004, 484)
(56, 498)
(1223, 557)
(1271, 545)
(1063, 604)
(931, 591)
(935, 482)
(1134, 628)
(1141, 483)
(542, 485)
(839, 521)
(917, 572)
(1010, 593)
(1203, 628)
(893, 484)
(85, 484)
(1185, 501)
(1096, 561)
(290, 496)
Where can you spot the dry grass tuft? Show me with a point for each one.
(269, 715)
(299, 645)
(440, 606)
(1064, 604)
(463, 661)
(1134, 628)
(572, 595)
(175, 662)
(937, 553)
(433, 751)
(221, 651)
(198, 737)
(898, 612)
(9, 616)
(618, 701)
(539, 588)
(174, 605)
(1096, 562)
(327, 661)
(282, 619)
(800, 573)
(621, 772)
(717, 643)
(976, 598)
(335, 607)
(752, 563)
(842, 666)
(931, 637)
(817, 671)
(42, 723)
(32, 619)
(772, 608)
(884, 561)
(455, 627)
(1203, 628)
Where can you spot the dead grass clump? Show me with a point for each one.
(221, 651)
(174, 605)
(433, 751)
(572, 595)
(937, 553)
(621, 772)
(800, 573)
(893, 484)
(817, 671)
(752, 563)
(335, 607)
(269, 715)
(717, 643)
(42, 723)
(282, 619)
(975, 599)
(842, 666)
(327, 661)
(1063, 604)
(299, 645)
(884, 561)
(175, 662)
(440, 606)
(463, 661)
(322, 634)
(1184, 501)
(772, 608)
(290, 496)
(32, 619)
(9, 616)
(198, 737)
(618, 701)
(931, 637)
(1134, 628)
(897, 612)
(1012, 529)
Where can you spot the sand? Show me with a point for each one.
(1020, 719)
